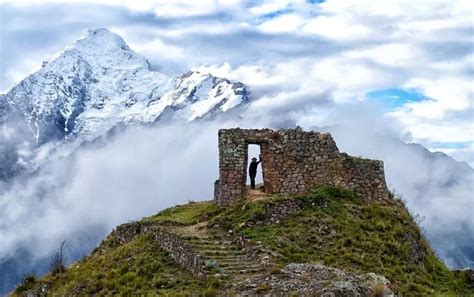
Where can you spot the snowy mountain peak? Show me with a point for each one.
(102, 48)
(101, 38)
(99, 41)
(98, 83)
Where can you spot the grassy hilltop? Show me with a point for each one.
(337, 229)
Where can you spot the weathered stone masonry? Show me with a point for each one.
(293, 161)
(177, 247)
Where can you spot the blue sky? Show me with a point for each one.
(395, 97)
(413, 57)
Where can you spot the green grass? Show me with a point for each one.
(186, 214)
(138, 267)
(351, 234)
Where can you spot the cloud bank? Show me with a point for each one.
(82, 197)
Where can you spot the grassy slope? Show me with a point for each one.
(138, 267)
(349, 233)
(353, 235)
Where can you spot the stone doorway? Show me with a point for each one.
(293, 161)
(254, 151)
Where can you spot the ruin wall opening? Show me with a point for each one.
(293, 161)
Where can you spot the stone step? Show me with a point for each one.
(221, 252)
(231, 258)
(222, 246)
(204, 239)
(242, 271)
(239, 266)
(226, 257)
(234, 260)
(238, 258)
(210, 238)
(210, 241)
(215, 247)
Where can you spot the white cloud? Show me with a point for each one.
(391, 54)
(176, 8)
(267, 7)
(105, 186)
(336, 27)
(284, 23)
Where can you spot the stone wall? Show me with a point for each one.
(274, 213)
(176, 246)
(182, 252)
(293, 161)
(124, 233)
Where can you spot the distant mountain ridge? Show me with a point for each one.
(99, 82)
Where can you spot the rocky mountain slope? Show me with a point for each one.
(97, 83)
(344, 245)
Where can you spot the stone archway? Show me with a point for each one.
(293, 161)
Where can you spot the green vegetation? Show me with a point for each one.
(353, 235)
(186, 214)
(359, 160)
(28, 283)
(139, 267)
(336, 229)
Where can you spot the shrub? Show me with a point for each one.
(275, 270)
(27, 283)
(57, 263)
(263, 287)
(210, 292)
(378, 290)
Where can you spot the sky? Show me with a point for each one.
(413, 57)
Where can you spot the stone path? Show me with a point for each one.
(229, 258)
(257, 193)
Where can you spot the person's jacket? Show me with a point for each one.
(253, 167)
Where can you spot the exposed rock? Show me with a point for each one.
(416, 250)
(315, 280)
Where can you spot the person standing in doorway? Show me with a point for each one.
(253, 170)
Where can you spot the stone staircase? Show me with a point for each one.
(228, 258)
(202, 250)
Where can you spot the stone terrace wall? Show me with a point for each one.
(181, 252)
(293, 161)
(176, 246)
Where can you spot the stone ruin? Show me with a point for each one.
(293, 161)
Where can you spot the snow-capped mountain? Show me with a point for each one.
(99, 82)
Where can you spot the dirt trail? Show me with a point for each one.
(197, 230)
(257, 193)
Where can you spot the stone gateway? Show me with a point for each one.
(293, 161)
